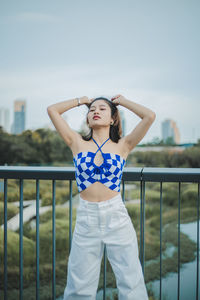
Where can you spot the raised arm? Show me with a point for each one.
(147, 116)
(55, 110)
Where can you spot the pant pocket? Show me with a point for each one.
(118, 217)
(81, 221)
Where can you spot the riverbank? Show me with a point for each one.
(188, 274)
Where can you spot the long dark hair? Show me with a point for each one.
(115, 129)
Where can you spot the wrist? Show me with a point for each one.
(83, 100)
(78, 101)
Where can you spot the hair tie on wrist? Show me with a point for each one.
(78, 99)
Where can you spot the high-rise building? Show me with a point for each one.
(123, 122)
(19, 116)
(170, 130)
(5, 118)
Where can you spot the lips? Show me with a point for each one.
(96, 117)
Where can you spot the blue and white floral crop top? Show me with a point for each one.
(108, 173)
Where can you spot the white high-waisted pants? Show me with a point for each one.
(98, 223)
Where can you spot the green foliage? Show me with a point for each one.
(189, 158)
(189, 195)
(61, 213)
(13, 249)
(62, 195)
(42, 146)
(12, 210)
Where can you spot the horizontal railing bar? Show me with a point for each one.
(129, 173)
(132, 174)
(171, 174)
(52, 173)
(57, 173)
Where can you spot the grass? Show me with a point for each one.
(29, 191)
(12, 210)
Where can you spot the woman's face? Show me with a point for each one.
(99, 114)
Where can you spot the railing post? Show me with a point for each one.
(142, 221)
(161, 241)
(104, 272)
(70, 214)
(179, 207)
(37, 241)
(21, 239)
(197, 278)
(143, 227)
(5, 240)
(53, 242)
(123, 190)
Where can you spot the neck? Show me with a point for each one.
(100, 135)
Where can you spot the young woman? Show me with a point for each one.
(102, 218)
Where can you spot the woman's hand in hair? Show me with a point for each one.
(117, 99)
(85, 100)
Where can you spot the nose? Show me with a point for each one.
(96, 112)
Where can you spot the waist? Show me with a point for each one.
(105, 203)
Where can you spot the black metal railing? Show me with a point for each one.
(142, 175)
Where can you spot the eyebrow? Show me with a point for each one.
(99, 105)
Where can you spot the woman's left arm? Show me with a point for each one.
(147, 116)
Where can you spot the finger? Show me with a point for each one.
(113, 98)
(117, 96)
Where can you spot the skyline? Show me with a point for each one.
(148, 52)
(83, 125)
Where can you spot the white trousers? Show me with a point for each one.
(98, 223)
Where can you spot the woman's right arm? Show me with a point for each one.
(55, 110)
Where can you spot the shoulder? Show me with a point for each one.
(123, 147)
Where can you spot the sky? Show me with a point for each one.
(147, 51)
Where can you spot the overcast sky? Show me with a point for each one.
(148, 51)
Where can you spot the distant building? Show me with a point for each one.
(170, 130)
(5, 118)
(123, 122)
(19, 117)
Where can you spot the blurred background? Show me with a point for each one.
(148, 51)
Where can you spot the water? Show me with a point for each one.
(187, 275)
(109, 293)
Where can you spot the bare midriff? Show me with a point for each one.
(97, 192)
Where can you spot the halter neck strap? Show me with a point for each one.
(99, 148)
